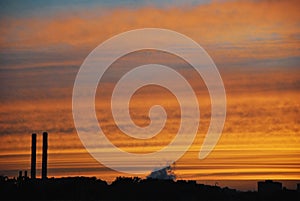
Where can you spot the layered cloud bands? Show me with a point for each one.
(254, 44)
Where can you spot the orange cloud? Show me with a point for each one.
(262, 104)
(234, 30)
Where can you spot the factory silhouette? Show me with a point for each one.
(33, 158)
(44, 155)
(159, 185)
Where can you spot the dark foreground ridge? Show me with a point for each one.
(125, 188)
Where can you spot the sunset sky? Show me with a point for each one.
(254, 44)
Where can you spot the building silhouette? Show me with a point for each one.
(269, 187)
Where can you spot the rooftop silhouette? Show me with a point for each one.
(126, 188)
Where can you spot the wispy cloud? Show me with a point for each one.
(230, 31)
(254, 43)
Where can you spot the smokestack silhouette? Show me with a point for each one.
(44, 159)
(33, 156)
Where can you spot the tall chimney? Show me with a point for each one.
(33, 156)
(20, 174)
(44, 159)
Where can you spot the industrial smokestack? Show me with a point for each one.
(44, 159)
(33, 156)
